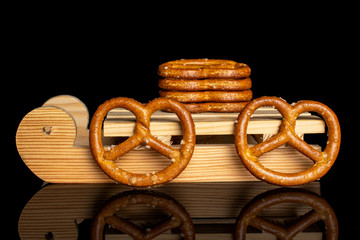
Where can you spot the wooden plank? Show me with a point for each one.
(262, 111)
(221, 162)
(120, 122)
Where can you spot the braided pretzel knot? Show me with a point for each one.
(321, 211)
(107, 215)
(179, 158)
(322, 160)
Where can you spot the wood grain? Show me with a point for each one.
(54, 158)
(265, 120)
(48, 142)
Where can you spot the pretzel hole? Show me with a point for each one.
(285, 159)
(293, 210)
(135, 162)
(145, 211)
(127, 120)
(145, 217)
(320, 139)
(161, 125)
(295, 161)
(286, 219)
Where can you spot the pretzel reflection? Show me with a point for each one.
(107, 215)
(321, 211)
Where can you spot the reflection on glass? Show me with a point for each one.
(142, 228)
(221, 211)
(320, 210)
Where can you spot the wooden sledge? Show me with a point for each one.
(52, 140)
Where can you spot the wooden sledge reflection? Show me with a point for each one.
(58, 210)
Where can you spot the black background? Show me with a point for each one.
(296, 55)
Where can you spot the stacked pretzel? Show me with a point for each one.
(206, 85)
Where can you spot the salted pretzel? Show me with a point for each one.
(179, 158)
(321, 211)
(107, 215)
(208, 96)
(203, 68)
(322, 160)
(213, 84)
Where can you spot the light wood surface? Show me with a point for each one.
(265, 120)
(54, 158)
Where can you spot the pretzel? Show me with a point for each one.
(322, 160)
(209, 96)
(205, 84)
(215, 107)
(203, 68)
(321, 211)
(107, 215)
(179, 158)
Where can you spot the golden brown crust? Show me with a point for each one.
(208, 96)
(323, 160)
(204, 68)
(215, 107)
(205, 84)
(179, 158)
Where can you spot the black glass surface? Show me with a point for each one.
(228, 210)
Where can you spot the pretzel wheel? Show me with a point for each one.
(215, 107)
(208, 96)
(203, 68)
(321, 211)
(322, 160)
(179, 158)
(107, 215)
(213, 84)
